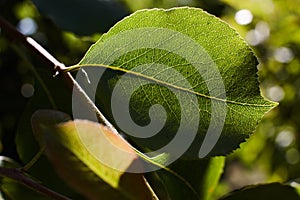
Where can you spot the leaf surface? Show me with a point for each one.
(85, 169)
(177, 80)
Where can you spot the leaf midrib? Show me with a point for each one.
(77, 67)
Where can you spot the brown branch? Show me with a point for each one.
(31, 44)
(58, 67)
(19, 176)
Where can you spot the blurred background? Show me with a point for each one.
(67, 29)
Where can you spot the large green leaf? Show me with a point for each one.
(85, 169)
(191, 63)
(274, 191)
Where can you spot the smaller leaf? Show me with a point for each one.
(212, 176)
(80, 151)
(192, 179)
(274, 191)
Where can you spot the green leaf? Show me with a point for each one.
(192, 179)
(70, 15)
(274, 191)
(212, 175)
(197, 71)
(85, 169)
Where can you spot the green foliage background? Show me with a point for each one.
(272, 152)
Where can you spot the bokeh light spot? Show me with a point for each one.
(292, 156)
(27, 90)
(27, 26)
(275, 93)
(243, 17)
(284, 138)
(283, 55)
(259, 34)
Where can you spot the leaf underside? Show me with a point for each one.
(188, 61)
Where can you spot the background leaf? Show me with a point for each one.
(274, 191)
(81, 16)
(83, 145)
(167, 62)
(194, 179)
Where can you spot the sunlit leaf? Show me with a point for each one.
(191, 63)
(85, 169)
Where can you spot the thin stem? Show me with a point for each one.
(154, 196)
(33, 160)
(58, 67)
(30, 43)
(19, 176)
(77, 88)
